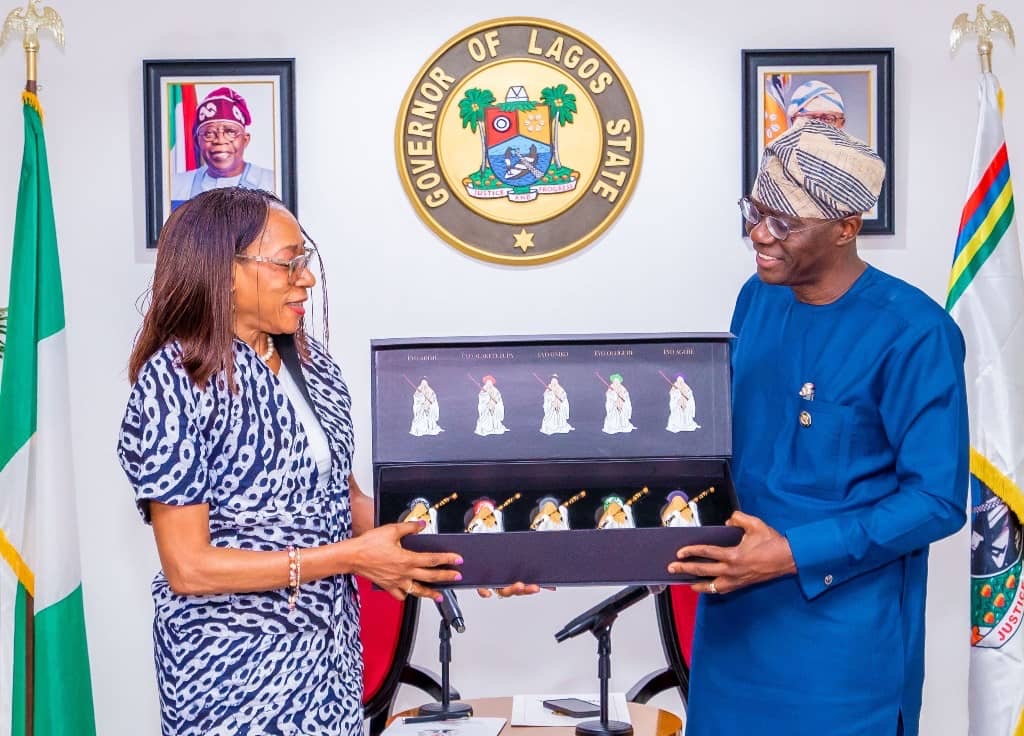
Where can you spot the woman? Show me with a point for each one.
(238, 440)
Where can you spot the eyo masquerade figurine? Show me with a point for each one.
(420, 509)
(550, 514)
(487, 518)
(618, 408)
(616, 513)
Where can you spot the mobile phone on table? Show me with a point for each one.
(572, 707)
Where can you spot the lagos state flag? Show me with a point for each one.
(986, 297)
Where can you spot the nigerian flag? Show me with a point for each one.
(44, 662)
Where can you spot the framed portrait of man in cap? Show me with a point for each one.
(850, 89)
(217, 123)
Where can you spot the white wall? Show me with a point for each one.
(353, 66)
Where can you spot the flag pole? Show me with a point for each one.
(986, 245)
(984, 26)
(29, 21)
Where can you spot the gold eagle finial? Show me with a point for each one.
(984, 27)
(29, 21)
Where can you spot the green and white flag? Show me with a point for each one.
(44, 659)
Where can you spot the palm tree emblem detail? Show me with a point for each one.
(518, 142)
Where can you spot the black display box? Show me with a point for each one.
(511, 448)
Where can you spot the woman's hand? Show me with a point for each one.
(379, 556)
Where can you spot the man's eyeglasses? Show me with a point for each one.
(779, 228)
(831, 118)
(227, 132)
(296, 266)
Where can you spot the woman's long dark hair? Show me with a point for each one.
(191, 295)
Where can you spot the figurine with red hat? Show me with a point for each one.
(490, 409)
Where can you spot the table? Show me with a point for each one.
(647, 720)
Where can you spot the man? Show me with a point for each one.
(556, 409)
(850, 457)
(425, 411)
(681, 407)
(221, 135)
(816, 100)
(618, 409)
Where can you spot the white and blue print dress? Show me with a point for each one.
(243, 664)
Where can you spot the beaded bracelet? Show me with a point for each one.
(294, 575)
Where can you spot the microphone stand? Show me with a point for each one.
(446, 708)
(603, 632)
(598, 621)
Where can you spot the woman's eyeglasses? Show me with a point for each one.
(779, 228)
(296, 266)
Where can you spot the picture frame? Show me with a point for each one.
(260, 97)
(863, 77)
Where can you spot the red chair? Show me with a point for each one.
(677, 609)
(388, 631)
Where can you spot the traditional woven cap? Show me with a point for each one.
(817, 170)
(223, 104)
(815, 97)
(615, 377)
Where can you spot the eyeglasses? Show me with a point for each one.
(295, 266)
(831, 118)
(779, 228)
(227, 132)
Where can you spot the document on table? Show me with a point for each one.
(529, 710)
(454, 727)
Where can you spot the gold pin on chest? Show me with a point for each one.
(805, 419)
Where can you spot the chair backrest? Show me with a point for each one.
(677, 612)
(387, 628)
(684, 615)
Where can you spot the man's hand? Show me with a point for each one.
(510, 590)
(762, 554)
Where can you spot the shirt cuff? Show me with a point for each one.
(818, 553)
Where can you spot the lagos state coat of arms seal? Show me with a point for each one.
(519, 141)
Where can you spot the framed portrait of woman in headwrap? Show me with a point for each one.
(217, 123)
(851, 89)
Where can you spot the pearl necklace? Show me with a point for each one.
(270, 350)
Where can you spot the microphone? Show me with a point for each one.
(449, 609)
(606, 610)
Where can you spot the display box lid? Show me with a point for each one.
(431, 402)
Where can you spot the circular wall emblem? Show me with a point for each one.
(519, 141)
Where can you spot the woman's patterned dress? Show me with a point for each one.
(243, 664)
